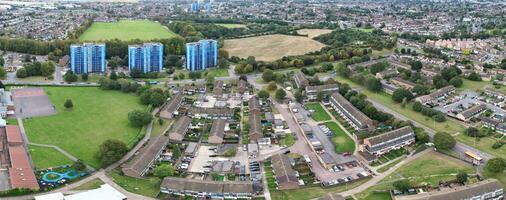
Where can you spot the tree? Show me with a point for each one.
(139, 118)
(400, 94)
(84, 76)
(164, 170)
(439, 117)
(272, 86)
(3, 73)
(68, 104)
(417, 106)
(79, 165)
(444, 141)
(70, 76)
(280, 94)
(268, 75)
(298, 96)
(496, 165)
(474, 76)
(262, 94)
(420, 90)
(402, 185)
(422, 137)
(373, 84)
(461, 177)
(21, 73)
(47, 69)
(210, 79)
(319, 95)
(456, 81)
(111, 151)
(176, 152)
(416, 65)
(113, 76)
(472, 132)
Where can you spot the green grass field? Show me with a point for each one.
(473, 85)
(45, 157)
(218, 72)
(429, 168)
(232, 25)
(90, 185)
(319, 113)
(147, 187)
(341, 140)
(312, 192)
(97, 115)
(126, 30)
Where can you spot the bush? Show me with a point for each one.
(68, 104)
(402, 185)
(495, 165)
(111, 151)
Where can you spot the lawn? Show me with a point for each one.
(390, 165)
(147, 187)
(90, 185)
(429, 168)
(218, 72)
(473, 85)
(378, 196)
(288, 140)
(97, 115)
(45, 157)
(499, 176)
(341, 140)
(232, 25)
(319, 113)
(126, 30)
(159, 128)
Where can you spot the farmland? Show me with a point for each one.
(271, 47)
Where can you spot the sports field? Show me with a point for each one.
(271, 47)
(97, 115)
(126, 30)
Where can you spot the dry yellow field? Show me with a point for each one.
(271, 47)
(312, 33)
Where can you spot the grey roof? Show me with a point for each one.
(141, 161)
(255, 130)
(182, 184)
(171, 106)
(458, 193)
(212, 111)
(218, 88)
(323, 88)
(254, 105)
(217, 131)
(191, 148)
(359, 117)
(301, 80)
(242, 86)
(404, 81)
(179, 129)
(442, 91)
(283, 169)
(391, 135)
(473, 110)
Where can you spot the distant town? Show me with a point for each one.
(217, 99)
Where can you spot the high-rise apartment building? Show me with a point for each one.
(145, 58)
(87, 58)
(201, 55)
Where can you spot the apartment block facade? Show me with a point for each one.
(201, 55)
(87, 58)
(145, 58)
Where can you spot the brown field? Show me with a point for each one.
(312, 33)
(271, 47)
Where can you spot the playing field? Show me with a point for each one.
(97, 115)
(271, 47)
(126, 30)
(312, 33)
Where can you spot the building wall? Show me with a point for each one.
(146, 58)
(87, 58)
(201, 55)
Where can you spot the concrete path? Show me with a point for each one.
(375, 180)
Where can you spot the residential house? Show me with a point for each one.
(217, 132)
(384, 143)
(211, 113)
(286, 177)
(218, 89)
(466, 115)
(242, 86)
(206, 189)
(489, 189)
(179, 129)
(312, 91)
(357, 119)
(387, 74)
(169, 109)
(146, 158)
(408, 85)
(442, 92)
(300, 80)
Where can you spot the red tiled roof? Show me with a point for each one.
(13, 134)
(21, 173)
